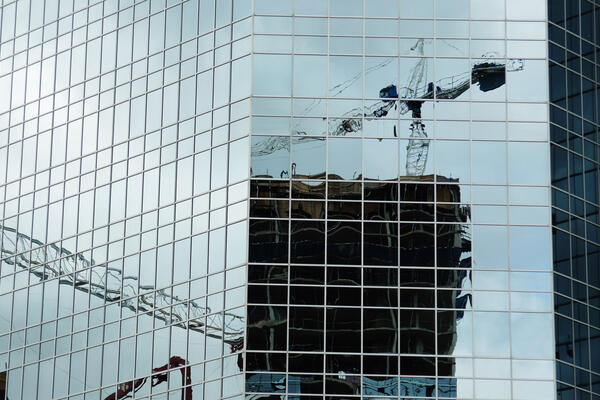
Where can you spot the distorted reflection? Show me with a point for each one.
(119, 293)
(379, 241)
(395, 234)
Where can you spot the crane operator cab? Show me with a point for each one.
(489, 75)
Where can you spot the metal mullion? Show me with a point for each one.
(47, 207)
(193, 174)
(62, 209)
(127, 185)
(209, 175)
(247, 200)
(508, 225)
(25, 328)
(79, 204)
(159, 167)
(43, 286)
(110, 185)
(141, 212)
(176, 167)
(222, 318)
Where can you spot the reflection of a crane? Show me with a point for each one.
(48, 261)
(488, 75)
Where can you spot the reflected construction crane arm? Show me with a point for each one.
(487, 75)
(49, 261)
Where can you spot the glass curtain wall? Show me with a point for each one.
(400, 233)
(123, 198)
(574, 33)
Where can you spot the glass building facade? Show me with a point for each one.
(298, 199)
(574, 33)
(400, 224)
(124, 130)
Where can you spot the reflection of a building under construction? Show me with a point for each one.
(376, 225)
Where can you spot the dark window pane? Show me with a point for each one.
(556, 12)
(452, 278)
(306, 295)
(382, 365)
(446, 366)
(344, 210)
(341, 385)
(380, 330)
(268, 240)
(416, 298)
(453, 213)
(381, 243)
(344, 243)
(558, 78)
(416, 245)
(308, 209)
(381, 211)
(381, 191)
(266, 208)
(380, 276)
(452, 242)
(595, 349)
(559, 167)
(593, 253)
(420, 192)
(581, 348)
(564, 339)
(343, 276)
(265, 362)
(446, 333)
(270, 189)
(266, 328)
(417, 366)
(305, 362)
(300, 275)
(417, 277)
(380, 297)
(565, 373)
(267, 274)
(562, 305)
(308, 242)
(341, 362)
(308, 190)
(422, 212)
(267, 294)
(306, 329)
(344, 190)
(417, 332)
(343, 296)
(343, 329)
(578, 259)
